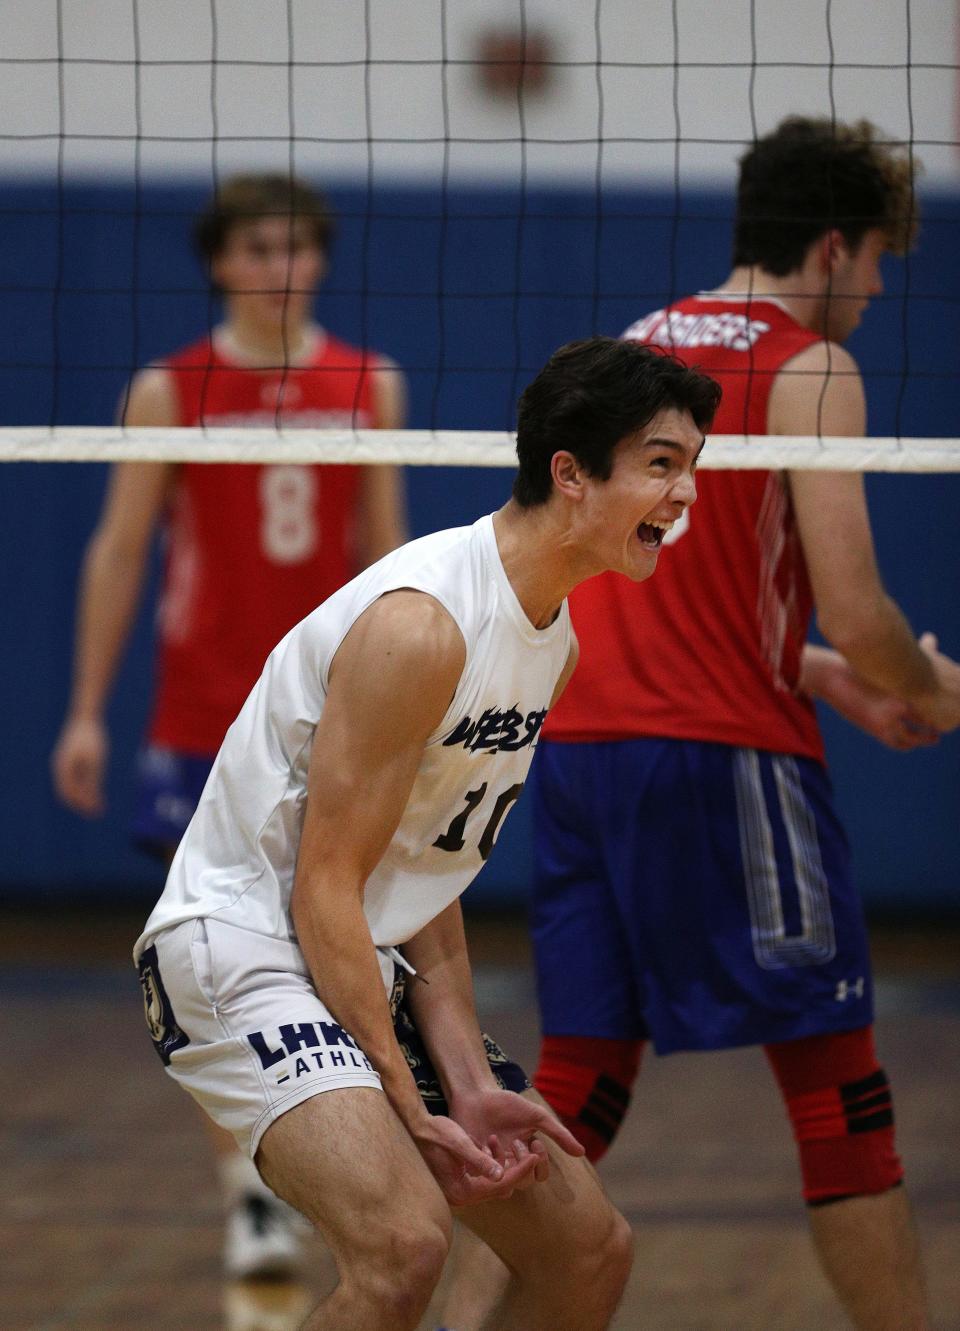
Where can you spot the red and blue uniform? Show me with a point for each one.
(706, 828)
(692, 882)
(251, 549)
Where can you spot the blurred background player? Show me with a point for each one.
(692, 881)
(251, 550)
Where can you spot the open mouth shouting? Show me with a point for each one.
(652, 532)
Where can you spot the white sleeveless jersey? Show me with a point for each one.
(237, 858)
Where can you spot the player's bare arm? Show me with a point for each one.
(390, 685)
(382, 515)
(110, 584)
(820, 392)
(442, 1004)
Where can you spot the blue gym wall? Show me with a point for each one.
(519, 275)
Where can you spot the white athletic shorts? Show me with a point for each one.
(237, 1022)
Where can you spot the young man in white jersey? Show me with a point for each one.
(354, 798)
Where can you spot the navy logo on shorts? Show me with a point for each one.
(315, 1046)
(161, 1023)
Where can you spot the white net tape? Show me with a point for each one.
(460, 448)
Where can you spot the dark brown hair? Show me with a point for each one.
(813, 175)
(589, 396)
(245, 198)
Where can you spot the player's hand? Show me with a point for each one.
(892, 721)
(885, 717)
(511, 1126)
(465, 1172)
(940, 709)
(898, 726)
(78, 764)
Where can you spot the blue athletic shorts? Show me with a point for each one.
(169, 786)
(695, 894)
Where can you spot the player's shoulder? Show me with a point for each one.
(817, 391)
(154, 395)
(419, 626)
(151, 399)
(822, 358)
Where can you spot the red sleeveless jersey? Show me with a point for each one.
(709, 647)
(251, 548)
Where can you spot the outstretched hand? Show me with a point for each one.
(490, 1146)
(511, 1127)
(942, 708)
(466, 1172)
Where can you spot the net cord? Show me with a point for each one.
(447, 448)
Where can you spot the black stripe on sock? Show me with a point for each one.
(596, 1124)
(614, 1090)
(613, 1117)
(872, 1102)
(871, 1122)
(854, 1089)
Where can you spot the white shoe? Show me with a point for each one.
(258, 1306)
(263, 1238)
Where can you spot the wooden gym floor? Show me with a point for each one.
(109, 1219)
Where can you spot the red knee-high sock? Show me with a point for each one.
(838, 1099)
(587, 1082)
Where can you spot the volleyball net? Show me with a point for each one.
(505, 178)
(446, 448)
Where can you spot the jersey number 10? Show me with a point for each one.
(452, 838)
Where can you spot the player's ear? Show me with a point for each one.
(567, 474)
(833, 250)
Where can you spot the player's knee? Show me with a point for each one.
(420, 1250)
(840, 1107)
(602, 1263)
(597, 1255)
(618, 1254)
(399, 1277)
(588, 1082)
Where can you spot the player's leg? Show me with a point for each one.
(590, 1051)
(582, 923)
(239, 1025)
(809, 936)
(838, 1099)
(812, 987)
(478, 1282)
(869, 1251)
(567, 1249)
(343, 1159)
